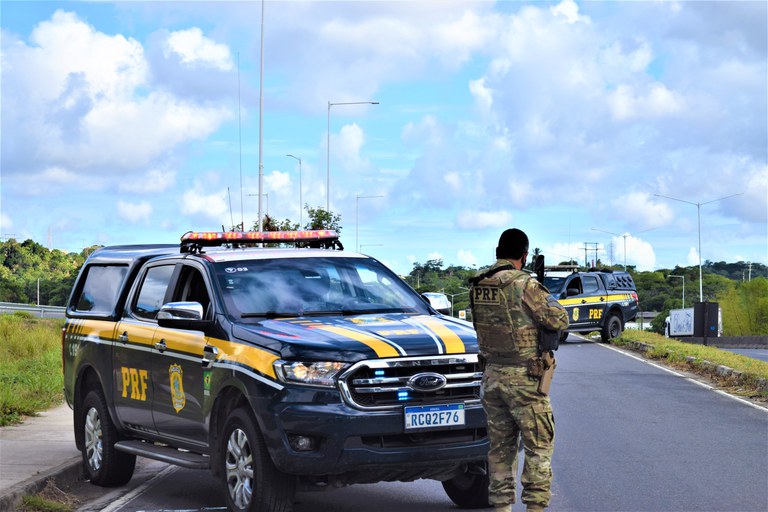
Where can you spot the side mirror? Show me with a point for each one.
(182, 315)
(570, 292)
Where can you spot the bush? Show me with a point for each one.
(30, 356)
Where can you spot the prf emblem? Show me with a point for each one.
(485, 295)
(177, 387)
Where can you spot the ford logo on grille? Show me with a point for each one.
(427, 381)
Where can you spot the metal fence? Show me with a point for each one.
(38, 311)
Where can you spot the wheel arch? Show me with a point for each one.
(87, 379)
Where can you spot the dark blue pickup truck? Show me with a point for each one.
(272, 367)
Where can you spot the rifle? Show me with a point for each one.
(548, 339)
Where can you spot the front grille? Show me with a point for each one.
(388, 383)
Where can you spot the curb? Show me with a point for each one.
(63, 475)
(714, 369)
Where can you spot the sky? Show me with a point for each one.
(634, 132)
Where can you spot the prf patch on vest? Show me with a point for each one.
(487, 295)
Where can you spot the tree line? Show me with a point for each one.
(33, 274)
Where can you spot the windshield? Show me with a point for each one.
(554, 283)
(313, 286)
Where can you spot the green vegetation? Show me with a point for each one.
(50, 499)
(749, 377)
(30, 357)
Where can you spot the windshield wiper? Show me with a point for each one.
(271, 314)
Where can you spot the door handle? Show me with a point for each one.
(161, 346)
(602, 299)
(210, 353)
(583, 301)
(123, 338)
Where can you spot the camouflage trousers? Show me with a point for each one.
(516, 411)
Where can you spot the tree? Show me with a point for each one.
(320, 218)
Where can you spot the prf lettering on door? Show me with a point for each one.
(135, 380)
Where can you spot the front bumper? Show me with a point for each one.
(349, 440)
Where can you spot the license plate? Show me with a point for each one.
(433, 416)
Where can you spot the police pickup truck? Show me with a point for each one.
(274, 368)
(596, 300)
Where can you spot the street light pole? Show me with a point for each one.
(301, 201)
(698, 215)
(328, 148)
(625, 240)
(452, 295)
(357, 204)
(683, 278)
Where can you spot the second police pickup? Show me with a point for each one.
(596, 300)
(275, 368)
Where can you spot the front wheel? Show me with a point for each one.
(469, 489)
(612, 328)
(104, 465)
(252, 483)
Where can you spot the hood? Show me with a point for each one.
(354, 338)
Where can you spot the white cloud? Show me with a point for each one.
(466, 258)
(214, 205)
(152, 182)
(278, 181)
(570, 10)
(196, 49)
(345, 147)
(640, 209)
(693, 256)
(6, 224)
(657, 101)
(435, 256)
(426, 131)
(482, 94)
(471, 219)
(76, 99)
(134, 212)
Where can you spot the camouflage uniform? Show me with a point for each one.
(508, 307)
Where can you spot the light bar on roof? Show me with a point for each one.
(212, 238)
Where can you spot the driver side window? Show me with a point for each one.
(151, 296)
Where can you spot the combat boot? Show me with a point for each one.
(502, 508)
(535, 507)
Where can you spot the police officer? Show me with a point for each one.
(509, 307)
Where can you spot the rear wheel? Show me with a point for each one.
(104, 465)
(252, 483)
(612, 328)
(469, 489)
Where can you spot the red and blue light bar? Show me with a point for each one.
(213, 238)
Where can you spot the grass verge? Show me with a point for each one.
(737, 374)
(30, 357)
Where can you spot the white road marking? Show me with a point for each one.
(668, 370)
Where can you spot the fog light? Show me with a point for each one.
(301, 443)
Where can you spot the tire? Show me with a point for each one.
(469, 490)
(563, 336)
(250, 479)
(612, 328)
(104, 465)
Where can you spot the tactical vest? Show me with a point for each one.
(506, 334)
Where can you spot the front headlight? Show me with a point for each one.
(311, 374)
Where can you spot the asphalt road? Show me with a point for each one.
(630, 437)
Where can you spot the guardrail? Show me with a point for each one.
(38, 311)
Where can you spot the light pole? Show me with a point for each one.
(357, 204)
(452, 295)
(301, 201)
(683, 278)
(328, 148)
(698, 215)
(625, 240)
